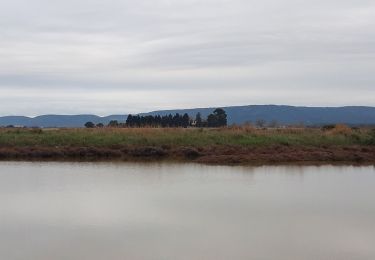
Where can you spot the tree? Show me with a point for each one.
(211, 120)
(177, 122)
(217, 119)
(113, 123)
(170, 120)
(137, 121)
(198, 120)
(100, 125)
(221, 117)
(158, 121)
(130, 121)
(89, 125)
(185, 120)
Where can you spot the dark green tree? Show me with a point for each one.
(211, 120)
(221, 117)
(89, 125)
(198, 120)
(217, 119)
(113, 123)
(177, 122)
(185, 120)
(170, 120)
(129, 121)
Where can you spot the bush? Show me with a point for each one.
(341, 130)
(89, 125)
(328, 127)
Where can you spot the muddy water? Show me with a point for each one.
(185, 211)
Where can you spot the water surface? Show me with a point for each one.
(185, 211)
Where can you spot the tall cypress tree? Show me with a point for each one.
(129, 121)
(198, 120)
(185, 120)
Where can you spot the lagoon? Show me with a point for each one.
(163, 211)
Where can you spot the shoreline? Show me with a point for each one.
(212, 155)
(221, 146)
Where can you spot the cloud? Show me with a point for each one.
(126, 56)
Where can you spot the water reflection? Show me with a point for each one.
(185, 211)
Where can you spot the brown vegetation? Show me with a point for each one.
(232, 145)
(210, 154)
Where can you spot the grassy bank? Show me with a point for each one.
(237, 144)
(239, 136)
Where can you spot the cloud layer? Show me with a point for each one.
(120, 56)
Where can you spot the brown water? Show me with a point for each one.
(185, 211)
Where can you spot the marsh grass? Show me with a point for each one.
(237, 136)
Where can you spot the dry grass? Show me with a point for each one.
(341, 130)
(233, 136)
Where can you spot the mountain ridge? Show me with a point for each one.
(283, 114)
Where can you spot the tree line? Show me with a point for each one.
(216, 119)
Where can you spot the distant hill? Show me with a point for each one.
(58, 120)
(285, 115)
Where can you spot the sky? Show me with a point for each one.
(127, 56)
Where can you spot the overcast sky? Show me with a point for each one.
(126, 56)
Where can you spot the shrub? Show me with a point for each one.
(328, 127)
(341, 130)
(89, 125)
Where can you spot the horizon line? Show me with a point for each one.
(173, 109)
